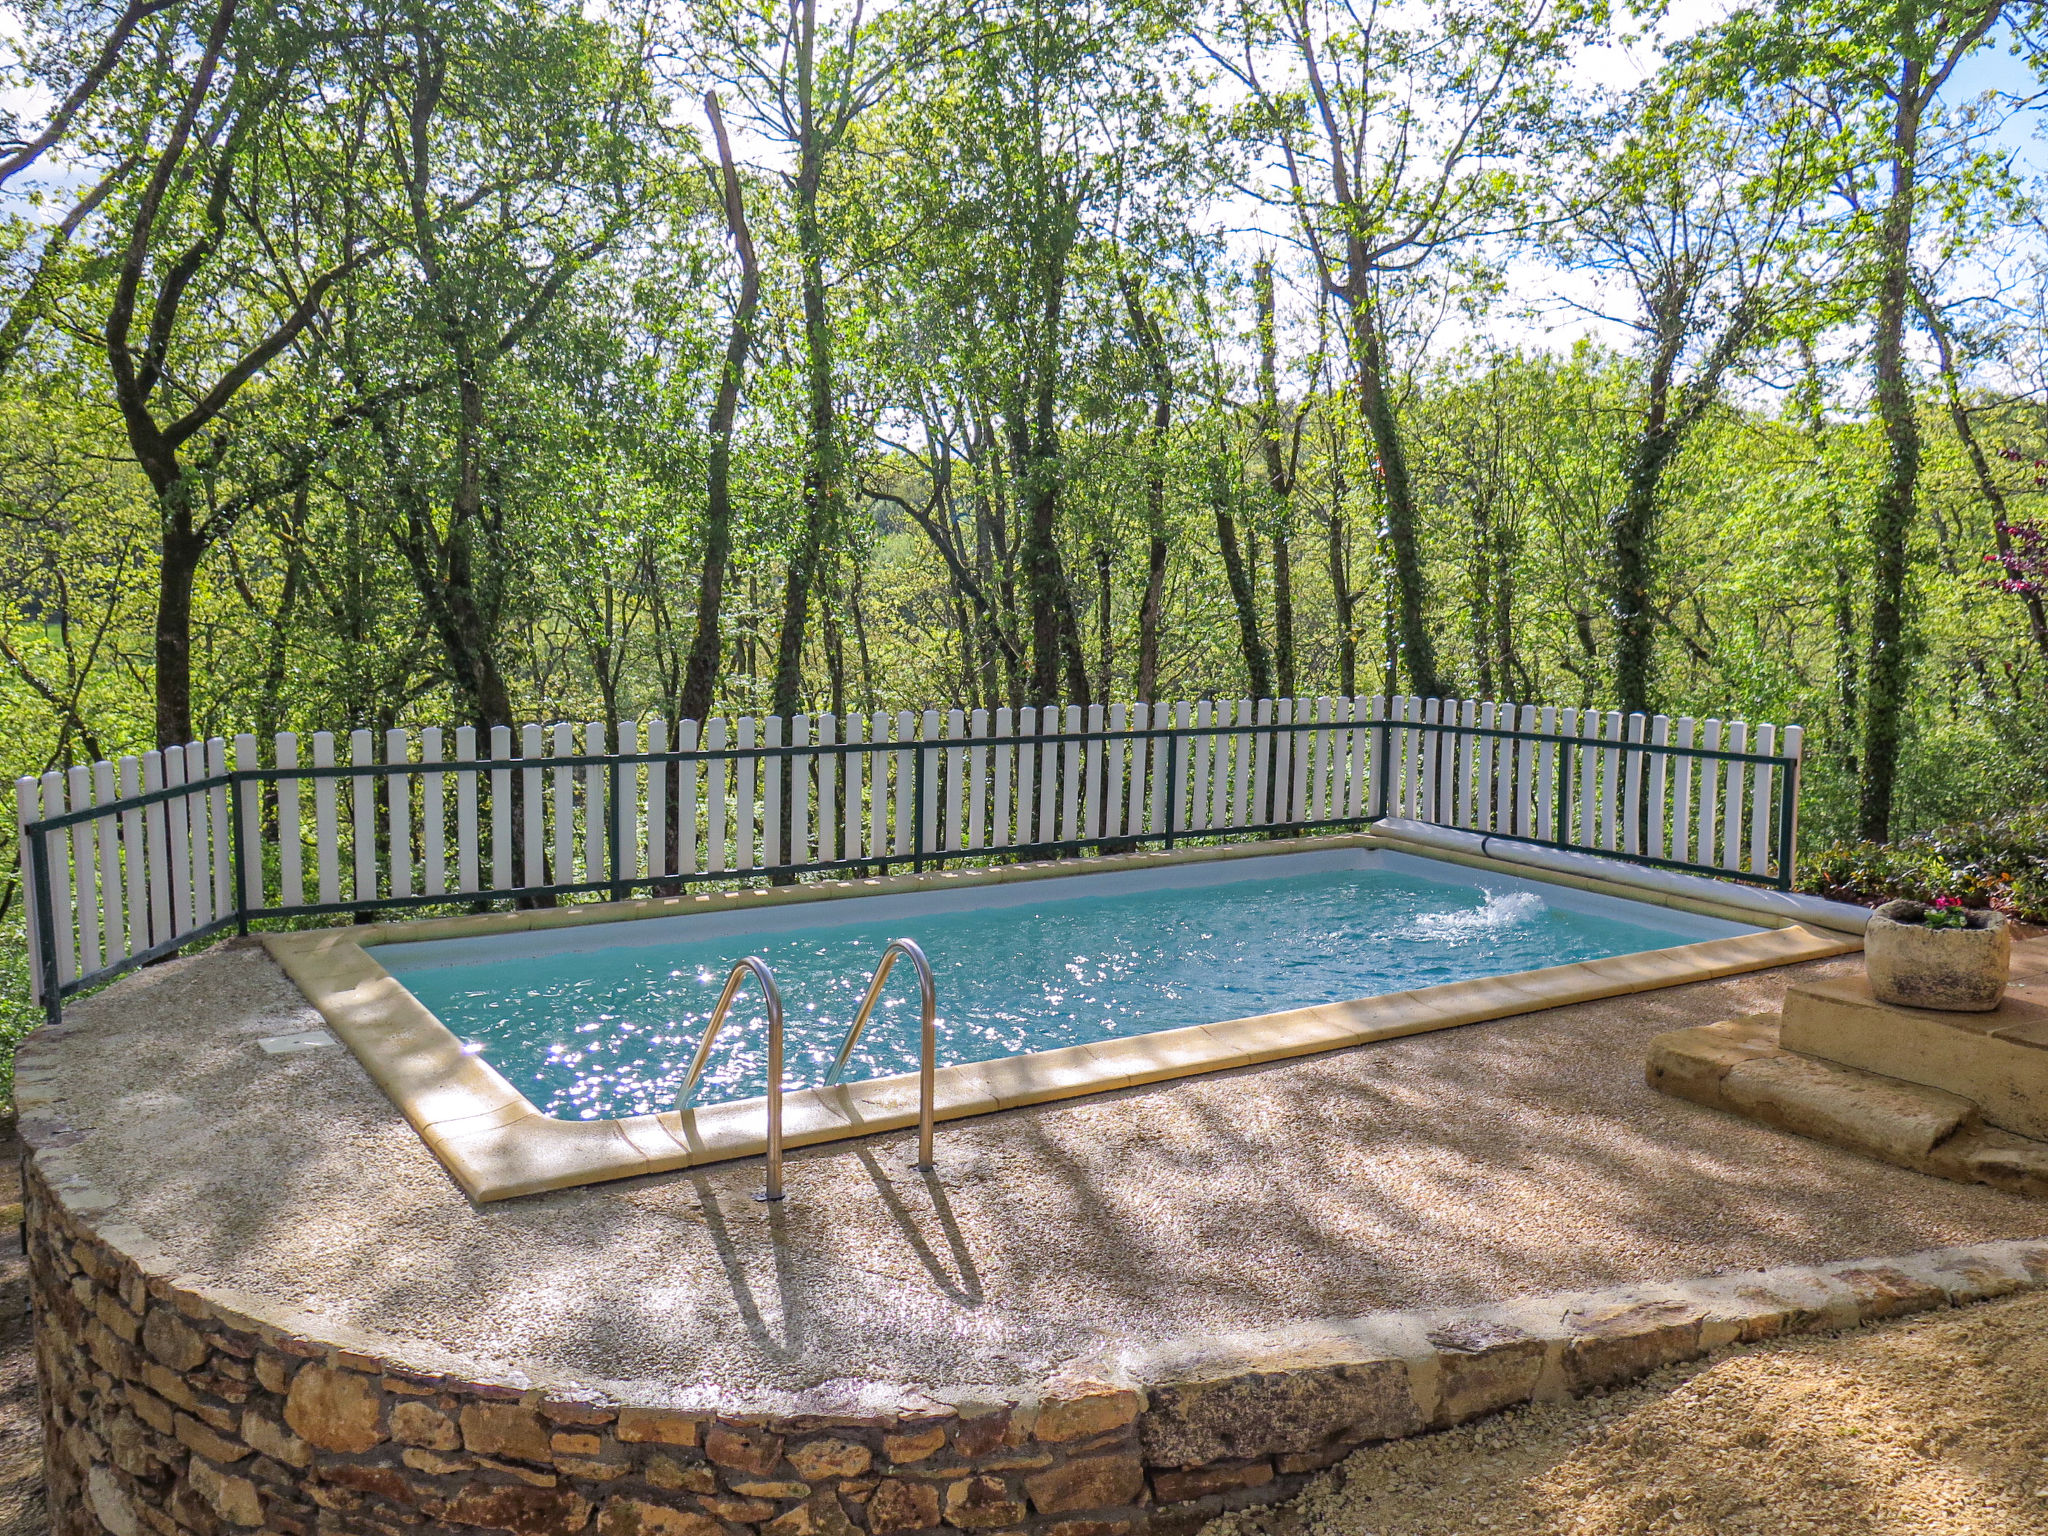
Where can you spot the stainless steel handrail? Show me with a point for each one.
(928, 1053)
(755, 966)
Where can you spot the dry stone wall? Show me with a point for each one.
(170, 1411)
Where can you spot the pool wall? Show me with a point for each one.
(497, 1145)
(179, 1409)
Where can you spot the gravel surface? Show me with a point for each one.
(1519, 1157)
(1937, 1426)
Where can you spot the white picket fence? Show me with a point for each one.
(442, 815)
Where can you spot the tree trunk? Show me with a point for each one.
(1104, 643)
(1152, 344)
(1344, 600)
(1632, 546)
(179, 553)
(700, 675)
(1417, 648)
(1283, 612)
(1279, 478)
(1889, 668)
(822, 514)
(1148, 618)
(1258, 664)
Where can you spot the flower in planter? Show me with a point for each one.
(1947, 912)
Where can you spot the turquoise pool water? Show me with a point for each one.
(610, 1031)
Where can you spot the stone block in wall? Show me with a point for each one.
(1243, 1416)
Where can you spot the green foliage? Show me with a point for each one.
(2001, 861)
(441, 292)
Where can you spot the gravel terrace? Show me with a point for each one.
(1933, 1427)
(1494, 1160)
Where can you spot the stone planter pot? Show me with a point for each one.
(1960, 970)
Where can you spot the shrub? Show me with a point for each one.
(2000, 862)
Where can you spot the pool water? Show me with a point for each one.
(601, 1032)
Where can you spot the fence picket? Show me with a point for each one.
(977, 779)
(686, 799)
(466, 845)
(880, 729)
(52, 798)
(249, 821)
(907, 808)
(854, 787)
(1300, 746)
(501, 808)
(222, 833)
(828, 780)
(84, 868)
(955, 820)
(398, 811)
(28, 810)
(771, 795)
(1760, 802)
(560, 743)
(658, 821)
(716, 802)
(1731, 800)
(198, 819)
(1000, 803)
(532, 807)
(1682, 809)
(1791, 748)
(1704, 852)
(595, 804)
(433, 815)
(107, 829)
(800, 792)
(928, 807)
(1632, 795)
(625, 793)
(1660, 735)
(1102, 805)
(136, 862)
(1608, 790)
(362, 818)
(177, 826)
(1140, 719)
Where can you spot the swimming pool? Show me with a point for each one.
(1153, 999)
(589, 1024)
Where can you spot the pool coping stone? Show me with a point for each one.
(497, 1145)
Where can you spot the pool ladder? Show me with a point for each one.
(755, 966)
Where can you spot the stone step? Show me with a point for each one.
(1741, 1066)
(1997, 1061)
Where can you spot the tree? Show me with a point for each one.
(1391, 135)
(806, 84)
(702, 670)
(1689, 216)
(221, 260)
(1877, 69)
(500, 203)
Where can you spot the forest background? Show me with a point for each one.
(389, 362)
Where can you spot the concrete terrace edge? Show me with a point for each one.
(497, 1145)
(177, 1407)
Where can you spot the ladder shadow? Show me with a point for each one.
(967, 1289)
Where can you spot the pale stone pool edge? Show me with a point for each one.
(497, 1145)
